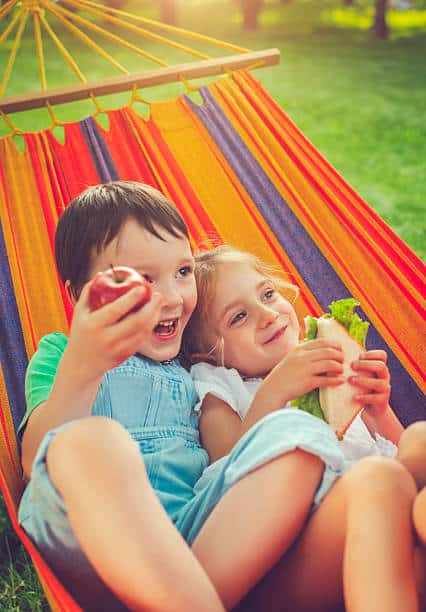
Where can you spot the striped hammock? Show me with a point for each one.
(240, 172)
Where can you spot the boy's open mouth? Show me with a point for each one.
(166, 329)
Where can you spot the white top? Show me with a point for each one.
(229, 386)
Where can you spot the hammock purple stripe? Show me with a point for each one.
(308, 260)
(102, 159)
(13, 354)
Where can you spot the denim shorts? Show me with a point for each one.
(43, 515)
(276, 434)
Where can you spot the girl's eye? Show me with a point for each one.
(148, 278)
(238, 317)
(185, 271)
(269, 294)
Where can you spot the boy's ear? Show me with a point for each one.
(70, 294)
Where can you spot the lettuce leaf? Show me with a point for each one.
(309, 403)
(343, 312)
(311, 327)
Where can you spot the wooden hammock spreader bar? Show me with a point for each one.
(148, 78)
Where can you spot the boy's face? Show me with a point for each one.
(258, 325)
(169, 265)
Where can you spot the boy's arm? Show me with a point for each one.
(71, 398)
(99, 341)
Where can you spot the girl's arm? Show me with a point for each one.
(310, 365)
(386, 424)
(220, 427)
(99, 341)
(301, 370)
(373, 380)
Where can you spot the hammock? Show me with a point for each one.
(240, 172)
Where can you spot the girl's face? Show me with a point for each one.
(169, 265)
(257, 324)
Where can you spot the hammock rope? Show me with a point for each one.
(76, 24)
(87, 40)
(22, 17)
(167, 27)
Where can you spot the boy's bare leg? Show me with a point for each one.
(363, 524)
(119, 522)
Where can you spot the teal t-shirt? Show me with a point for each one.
(41, 372)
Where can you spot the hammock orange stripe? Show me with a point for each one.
(374, 225)
(369, 271)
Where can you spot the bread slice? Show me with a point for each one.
(337, 403)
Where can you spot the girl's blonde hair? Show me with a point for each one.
(197, 344)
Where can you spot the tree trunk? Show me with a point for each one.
(251, 10)
(168, 11)
(380, 27)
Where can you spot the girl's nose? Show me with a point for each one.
(267, 316)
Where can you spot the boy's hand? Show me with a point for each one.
(311, 364)
(102, 339)
(373, 379)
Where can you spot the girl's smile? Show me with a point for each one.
(276, 335)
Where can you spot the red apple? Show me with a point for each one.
(107, 286)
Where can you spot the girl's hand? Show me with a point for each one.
(104, 338)
(373, 379)
(311, 364)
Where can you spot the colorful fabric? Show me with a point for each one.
(239, 171)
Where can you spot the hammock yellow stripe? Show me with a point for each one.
(28, 246)
(213, 181)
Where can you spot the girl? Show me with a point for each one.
(245, 336)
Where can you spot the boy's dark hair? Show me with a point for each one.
(96, 216)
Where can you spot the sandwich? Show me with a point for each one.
(343, 325)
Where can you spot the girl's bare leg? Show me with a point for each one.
(363, 526)
(412, 452)
(419, 519)
(121, 525)
(256, 522)
(419, 515)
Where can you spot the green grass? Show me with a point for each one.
(20, 589)
(359, 100)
